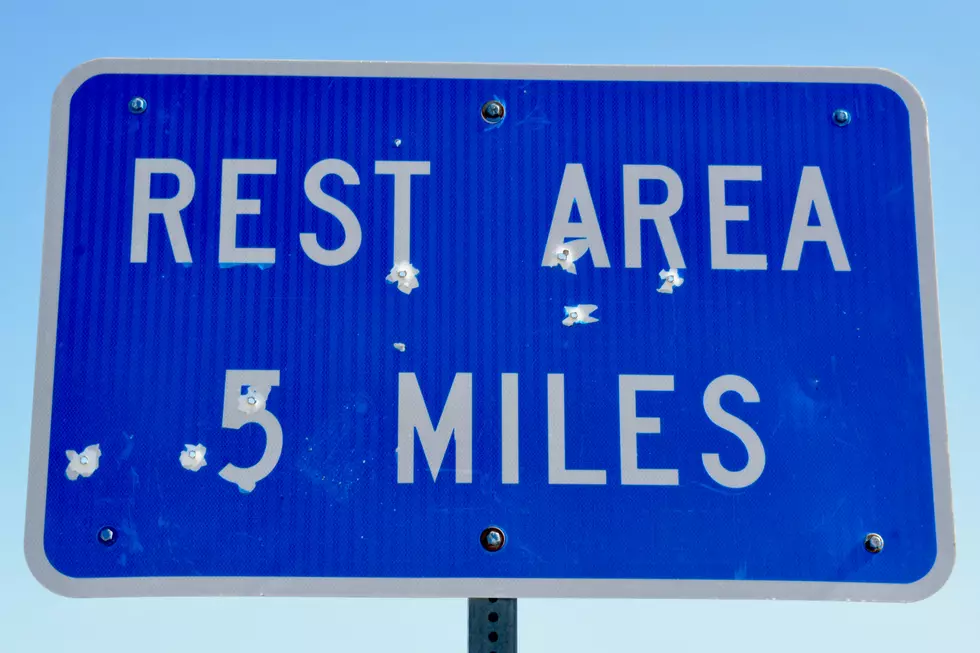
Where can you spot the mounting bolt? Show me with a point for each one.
(874, 543)
(492, 539)
(107, 535)
(493, 111)
(137, 105)
(842, 117)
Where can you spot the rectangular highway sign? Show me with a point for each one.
(380, 329)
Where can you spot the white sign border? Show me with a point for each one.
(482, 587)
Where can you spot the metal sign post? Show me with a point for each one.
(493, 626)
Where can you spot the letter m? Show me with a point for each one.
(456, 420)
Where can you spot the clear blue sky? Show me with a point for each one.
(934, 44)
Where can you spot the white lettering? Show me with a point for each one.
(346, 217)
(403, 171)
(170, 208)
(575, 191)
(813, 193)
(634, 212)
(456, 421)
(630, 426)
(750, 439)
(557, 473)
(508, 431)
(720, 214)
(232, 206)
(260, 384)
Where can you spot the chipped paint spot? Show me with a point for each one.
(671, 280)
(405, 275)
(565, 254)
(400, 346)
(82, 464)
(192, 457)
(581, 314)
(251, 402)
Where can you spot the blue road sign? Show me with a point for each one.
(465, 330)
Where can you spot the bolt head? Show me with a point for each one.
(874, 543)
(841, 117)
(492, 539)
(493, 111)
(137, 105)
(107, 535)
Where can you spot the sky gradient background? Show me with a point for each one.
(933, 44)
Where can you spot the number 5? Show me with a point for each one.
(240, 410)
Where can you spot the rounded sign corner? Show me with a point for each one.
(935, 579)
(46, 574)
(900, 85)
(77, 76)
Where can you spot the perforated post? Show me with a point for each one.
(493, 625)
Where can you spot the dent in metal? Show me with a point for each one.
(671, 280)
(405, 275)
(581, 314)
(565, 254)
(251, 402)
(82, 464)
(192, 457)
